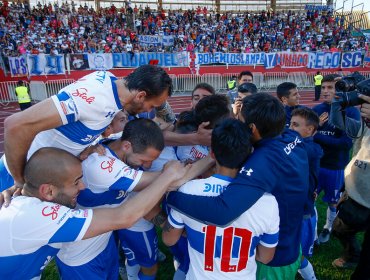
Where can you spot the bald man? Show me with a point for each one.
(35, 224)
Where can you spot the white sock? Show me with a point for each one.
(132, 271)
(307, 272)
(179, 275)
(330, 216)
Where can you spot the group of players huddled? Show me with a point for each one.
(248, 167)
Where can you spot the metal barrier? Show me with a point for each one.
(300, 79)
(187, 82)
(214, 80)
(38, 90)
(183, 83)
(365, 74)
(54, 86)
(7, 91)
(273, 79)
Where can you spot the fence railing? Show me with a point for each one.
(183, 83)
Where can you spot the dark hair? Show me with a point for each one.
(231, 143)
(212, 109)
(245, 73)
(247, 88)
(186, 122)
(143, 134)
(150, 78)
(20, 83)
(48, 166)
(283, 89)
(266, 112)
(204, 86)
(309, 115)
(329, 78)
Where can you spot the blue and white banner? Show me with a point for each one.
(311, 60)
(318, 8)
(286, 60)
(44, 64)
(367, 59)
(351, 59)
(168, 40)
(100, 61)
(18, 66)
(324, 60)
(230, 58)
(138, 59)
(145, 40)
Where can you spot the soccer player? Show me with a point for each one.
(244, 90)
(109, 180)
(77, 115)
(305, 121)
(278, 165)
(227, 253)
(244, 77)
(200, 91)
(336, 146)
(288, 94)
(202, 135)
(37, 222)
(210, 109)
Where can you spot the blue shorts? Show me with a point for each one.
(6, 180)
(181, 254)
(139, 247)
(331, 181)
(103, 267)
(308, 235)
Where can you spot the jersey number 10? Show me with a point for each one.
(227, 246)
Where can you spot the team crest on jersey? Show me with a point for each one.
(80, 213)
(51, 211)
(68, 107)
(108, 164)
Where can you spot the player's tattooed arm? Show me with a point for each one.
(170, 235)
(167, 227)
(159, 219)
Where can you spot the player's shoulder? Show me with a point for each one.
(211, 186)
(266, 205)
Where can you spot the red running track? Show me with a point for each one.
(178, 103)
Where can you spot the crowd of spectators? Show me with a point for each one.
(54, 29)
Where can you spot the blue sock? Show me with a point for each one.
(146, 277)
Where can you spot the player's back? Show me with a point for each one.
(228, 253)
(31, 232)
(86, 108)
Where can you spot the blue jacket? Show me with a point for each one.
(334, 142)
(314, 153)
(278, 166)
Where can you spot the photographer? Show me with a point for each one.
(354, 208)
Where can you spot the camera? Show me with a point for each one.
(349, 88)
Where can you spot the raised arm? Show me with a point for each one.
(129, 212)
(19, 131)
(221, 210)
(201, 137)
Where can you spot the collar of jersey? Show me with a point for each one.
(111, 151)
(115, 92)
(223, 177)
